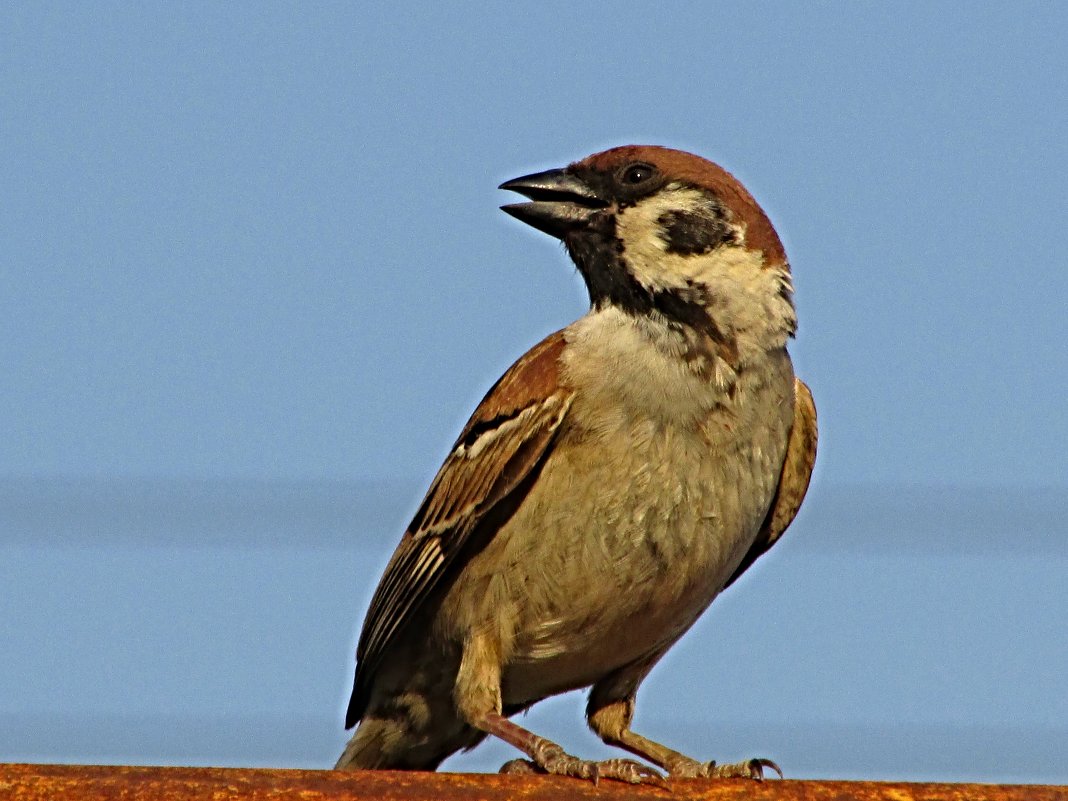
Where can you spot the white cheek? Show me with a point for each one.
(744, 296)
(645, 249)
(642, 234)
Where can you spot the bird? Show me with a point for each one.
(609, 486)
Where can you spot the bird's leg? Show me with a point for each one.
(478, 697)
(609, 715)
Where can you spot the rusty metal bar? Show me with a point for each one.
(76, 782)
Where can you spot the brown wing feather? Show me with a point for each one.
(793, 481)
(504, 441)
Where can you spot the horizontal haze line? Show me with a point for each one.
(129, 512)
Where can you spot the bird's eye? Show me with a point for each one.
(637, 173)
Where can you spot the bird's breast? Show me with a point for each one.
(628, 569)
(637, 519)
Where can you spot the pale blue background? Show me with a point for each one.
(253, 280)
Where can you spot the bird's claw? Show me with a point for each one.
(628, 770)
(554, 760)
(760, 763)
(747, 769)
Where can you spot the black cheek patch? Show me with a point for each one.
(688, 233)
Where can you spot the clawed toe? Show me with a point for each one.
(759, 764)
(627, 770)
(749, 769)
(560, 763)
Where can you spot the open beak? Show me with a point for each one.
(559, 201)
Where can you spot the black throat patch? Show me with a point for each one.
(599, 256)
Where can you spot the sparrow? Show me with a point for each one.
(610, 485)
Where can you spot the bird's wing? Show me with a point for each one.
(793, 481)
(483, 478)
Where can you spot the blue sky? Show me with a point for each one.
(261, 243)
(267, 243)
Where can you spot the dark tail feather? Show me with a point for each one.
(370, 747)
(389, 744)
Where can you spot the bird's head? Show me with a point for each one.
(664, 233)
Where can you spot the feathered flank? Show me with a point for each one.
(794, 480)
(499, 447)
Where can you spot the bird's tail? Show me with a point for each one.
(369, 747)
(389, 743)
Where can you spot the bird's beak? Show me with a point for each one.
(560, 202)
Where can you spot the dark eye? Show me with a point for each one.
(638, 173)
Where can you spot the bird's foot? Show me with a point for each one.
(686, 768)
(551, 758)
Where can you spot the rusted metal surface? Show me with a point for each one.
(74, 782)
